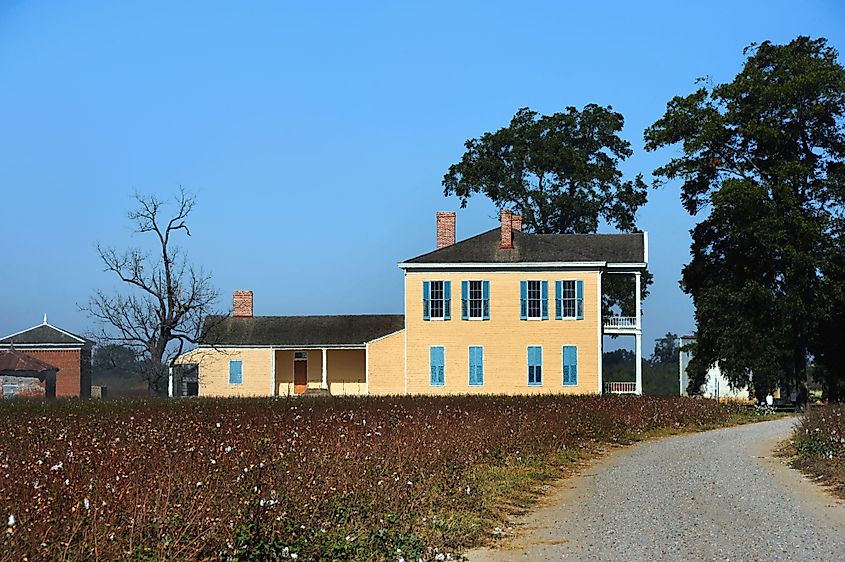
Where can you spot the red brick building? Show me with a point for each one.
(69, 353)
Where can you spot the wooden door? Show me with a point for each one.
(300, 376)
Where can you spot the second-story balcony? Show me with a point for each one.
(621, 323)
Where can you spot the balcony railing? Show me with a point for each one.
(620, 322)
(620, 388)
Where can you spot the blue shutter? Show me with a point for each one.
(570, 365)
(476, 365)
(464, 300)
(236, 372)
(447, 300)
(579, 302)
(523, 300)
(426, 300)
(485, 294)
(438, 368)
(544, 298)
(558, 297)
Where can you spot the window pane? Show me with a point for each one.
(534, 299)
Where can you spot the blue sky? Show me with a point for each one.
(316, 136)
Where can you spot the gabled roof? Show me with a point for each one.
(45, 335)
(13, 362)
(303, 331)
(541, 248)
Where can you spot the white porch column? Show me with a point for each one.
(325, 370)
(170, 382)
(639, 334)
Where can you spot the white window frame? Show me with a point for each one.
(480, 299)
(574, 299)
(441, 300)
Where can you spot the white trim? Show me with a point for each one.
(600, 335)
(367, 370)
(325, 369)
(633, 265)
(273, 372)
(285, 347)
(645, 246)
(382, 337)
(170, 382)
(72, 346)
(508, 265)
(68, 334)
(405, 304)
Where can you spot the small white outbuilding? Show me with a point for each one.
(716, 386)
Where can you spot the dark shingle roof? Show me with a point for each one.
(532, 248)
(303, 330)
(45, 334)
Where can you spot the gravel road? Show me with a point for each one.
(717, 495)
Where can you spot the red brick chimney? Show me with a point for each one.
(242, 304)
(507, 226)
(516, 222)
(445, 229)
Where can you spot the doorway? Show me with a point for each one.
(300, 372)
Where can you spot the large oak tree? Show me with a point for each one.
(763, 160)
(561, 172)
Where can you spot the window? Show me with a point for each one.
(437, 300)
(534, 300)
(535, 365)
(569, 300)
(300, 355)
(437, 361)
(570, 365)
(236, 372)
(475, 300)
(476, 365)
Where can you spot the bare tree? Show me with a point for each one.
(168, 301)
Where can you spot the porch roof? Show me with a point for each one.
(302, 331)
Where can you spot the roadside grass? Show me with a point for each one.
(395, 478)
(817, 447)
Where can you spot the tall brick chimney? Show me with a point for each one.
(516, 222)
(445, 229)
(242, 304)
(507, 226)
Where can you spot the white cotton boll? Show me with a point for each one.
(11, 521)
(86, 503)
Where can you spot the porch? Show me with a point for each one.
(337, 371)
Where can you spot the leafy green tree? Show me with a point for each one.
(561, 173)
(666, 350)
(764, 155)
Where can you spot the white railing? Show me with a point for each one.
(620, 388)
(620, 322)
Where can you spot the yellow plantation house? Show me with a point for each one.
(504, 312)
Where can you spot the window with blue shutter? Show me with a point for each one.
(236, 371)
(570, 365)
(426, 300)
(464, 300)
(437, 361)
(535, 365)
(476, 365)
(569, 300)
